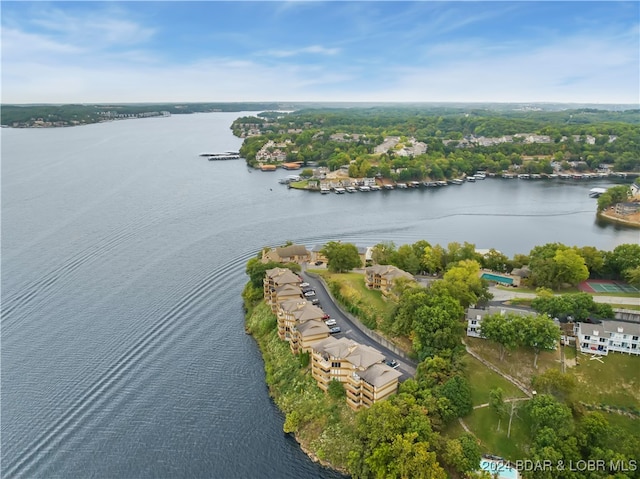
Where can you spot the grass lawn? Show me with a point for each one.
(482, 380)
(484, 422)
(517, 363)
(627, 424)
(372, 298)
(613, 380)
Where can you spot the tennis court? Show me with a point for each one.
(603, 286)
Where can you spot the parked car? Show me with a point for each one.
(335, 329)
(304, 285)
(318, 263)
(315, 301)
(392, 363)
(330, 322)
(310, 293)
(326, 316)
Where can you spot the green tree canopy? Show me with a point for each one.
(341, 257)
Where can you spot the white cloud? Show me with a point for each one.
(313, 49)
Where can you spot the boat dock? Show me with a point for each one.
(227, 155)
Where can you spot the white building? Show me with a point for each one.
(475, 315)
(608, 336)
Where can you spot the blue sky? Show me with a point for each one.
(470, 51)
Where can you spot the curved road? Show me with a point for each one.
(351, 331)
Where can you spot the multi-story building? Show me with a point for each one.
(359, 368)
(294, 253)
(304, 335)
(280, 284)
(295, 312)
(601, 338)
(381, 277)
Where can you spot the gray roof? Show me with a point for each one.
(608, 327)
(292, 250)
(379, 374)
(311, 328)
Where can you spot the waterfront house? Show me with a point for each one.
(294, 253)
(359, 368)
(293, 311)
(273, 286)
(624, 209)
(304, 335)
(608, 336)
(382, 277)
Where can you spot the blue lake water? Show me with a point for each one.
(123, 252)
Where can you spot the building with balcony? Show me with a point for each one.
(608, 336)
(280, 284)
(359, 368)
(382, 277)
(294, 312)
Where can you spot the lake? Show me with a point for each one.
(123, 252)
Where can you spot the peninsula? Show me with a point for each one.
(385, 372)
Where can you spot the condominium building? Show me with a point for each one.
(382, 277)
(293, 312)
(359, 368)
(607, 336)
(280, 284)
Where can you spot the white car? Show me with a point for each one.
(304, 285)
(330, 322)
(310, 293)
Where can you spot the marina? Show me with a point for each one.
(227, 155)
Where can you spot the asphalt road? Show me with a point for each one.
(350, 330)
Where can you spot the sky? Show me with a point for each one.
(369, 51)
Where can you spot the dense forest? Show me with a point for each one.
(458, 141)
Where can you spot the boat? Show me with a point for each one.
(388, 186)
(324, 190)
(456, 181)
(471, 178)
(508, 176)
(429, 184)
(524, 176)
(364, 188)
(350, 189)
(414, 184)
(402, 186)
(375, 188)
(338, 190)
(536, 176)
(441, 183)
(596, 192)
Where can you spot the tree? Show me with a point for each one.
(570, 267)
(406, 260)
(623, 257)
(496, 403)
(464, 283)
(463, 454)
(436, 326)
(433, 259)
(553, 382)
(632, 275)
(540, 333)
(341, 257)
(504, 329)
(383, 253)
(546, 412)
(458, 392)
(336, 389)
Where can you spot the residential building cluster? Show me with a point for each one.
(599, 338)
(361, 369)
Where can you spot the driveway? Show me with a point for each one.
(351, 330)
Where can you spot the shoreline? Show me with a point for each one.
(617, 220)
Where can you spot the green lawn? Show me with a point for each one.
(484, 422)
(372, 298)
(615, 381)
(482, 380)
